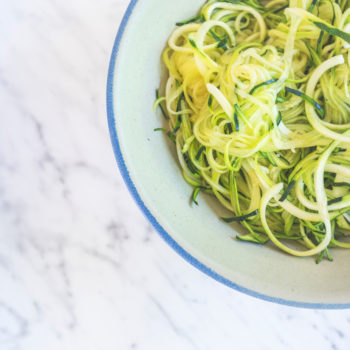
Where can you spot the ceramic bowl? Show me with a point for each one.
(148, 165)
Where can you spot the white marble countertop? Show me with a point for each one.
(80, 267)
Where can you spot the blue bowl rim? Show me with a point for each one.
(163, 233)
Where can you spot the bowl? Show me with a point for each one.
(151, 172)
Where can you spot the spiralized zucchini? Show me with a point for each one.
(258, 104)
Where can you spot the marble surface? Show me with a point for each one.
(80, 267)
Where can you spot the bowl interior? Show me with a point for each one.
(149, 160)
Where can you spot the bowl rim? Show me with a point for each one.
(134, 192)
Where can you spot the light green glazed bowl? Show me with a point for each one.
(150, 170)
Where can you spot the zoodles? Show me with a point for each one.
(257, 102)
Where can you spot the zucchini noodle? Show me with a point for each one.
(257, 102)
